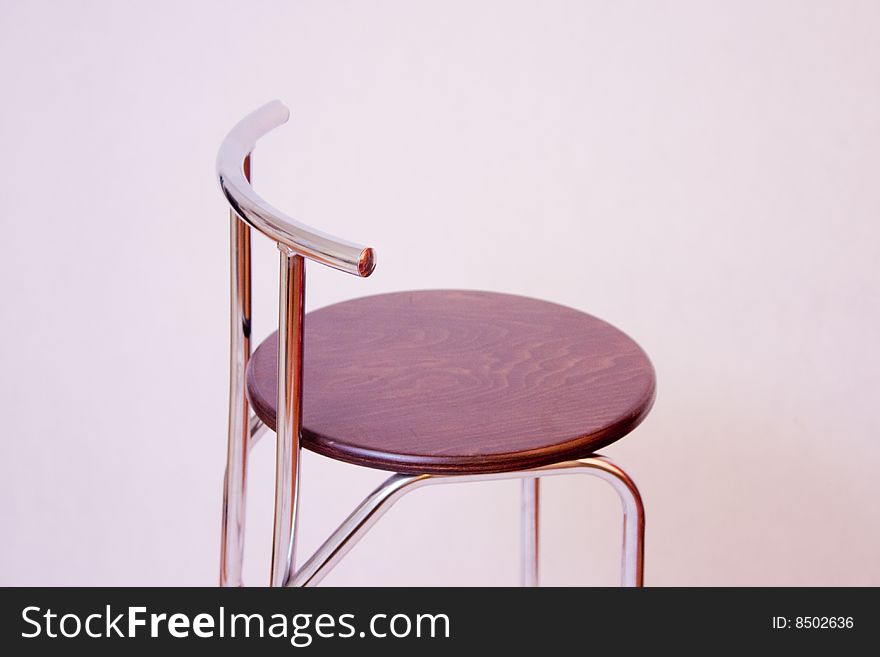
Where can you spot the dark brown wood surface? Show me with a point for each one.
(457, 381)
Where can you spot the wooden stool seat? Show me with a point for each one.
(459, 382)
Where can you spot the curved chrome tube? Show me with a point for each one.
(273, 223)
(347, 535)
(377, 503)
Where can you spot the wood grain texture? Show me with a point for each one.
(447, 381)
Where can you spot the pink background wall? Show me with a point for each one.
(702, 174)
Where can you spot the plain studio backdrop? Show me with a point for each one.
(701, 174)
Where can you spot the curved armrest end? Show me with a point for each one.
(247, 204)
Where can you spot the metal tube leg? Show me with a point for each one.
(235, 480)
(633, 552)
(355, 526)
(530, 517)
(633, 557)
(289, 416)
(256, 431)
(380, 500)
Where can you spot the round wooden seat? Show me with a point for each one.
(447, 381)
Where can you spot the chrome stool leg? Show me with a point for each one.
(353, 528)
(289, 418)
(529, 519)
(235, 481)
(633, 551)
(377, 503)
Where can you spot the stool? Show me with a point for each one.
(438, 387)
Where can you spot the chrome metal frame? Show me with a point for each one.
(296, 241)
(529, 518)
(235, 481)
(244, 201)
(380, 500)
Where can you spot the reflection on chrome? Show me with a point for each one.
(273, 223)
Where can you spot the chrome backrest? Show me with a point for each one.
(247, 204)
(296, 241)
